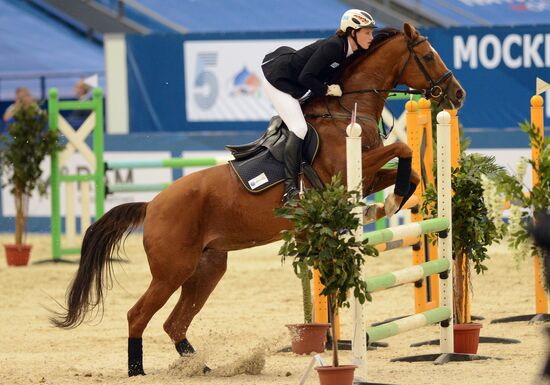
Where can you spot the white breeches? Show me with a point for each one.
(288, 108)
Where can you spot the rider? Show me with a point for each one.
(292, 75)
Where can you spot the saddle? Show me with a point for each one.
(260, 164)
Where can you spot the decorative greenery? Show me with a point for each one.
(473, 227)
(533, 202)
(21, 153)
(307, 302)
(322, 238)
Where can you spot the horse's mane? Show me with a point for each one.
(381, 36)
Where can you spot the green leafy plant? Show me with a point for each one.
(21, 151)
(307, 304)
(531, 202)
(473, 227)
(322, 238)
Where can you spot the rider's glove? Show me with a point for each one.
(334, 90)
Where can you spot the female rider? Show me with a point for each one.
(292, 75)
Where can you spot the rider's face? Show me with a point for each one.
(364, 37)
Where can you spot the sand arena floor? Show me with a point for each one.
(244, 320)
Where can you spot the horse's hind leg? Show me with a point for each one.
(194, 293)
(168, 274)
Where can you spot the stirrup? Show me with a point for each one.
(291, 193)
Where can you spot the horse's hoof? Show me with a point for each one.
(184, 347)
(135, 372)
(392, 204)
(206, 369)
(371, 213)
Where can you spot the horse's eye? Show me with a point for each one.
(429, 56)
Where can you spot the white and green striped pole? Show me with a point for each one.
(444, 209)
(389, 329)
(414, 229)
(407, 275)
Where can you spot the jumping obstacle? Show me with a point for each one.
(93, 182)
(419, 136)
(444, 266)
(541, 296)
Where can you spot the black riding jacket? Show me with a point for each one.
(309, 68)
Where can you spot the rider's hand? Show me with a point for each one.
(334, 90)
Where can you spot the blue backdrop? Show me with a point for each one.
(497, 66)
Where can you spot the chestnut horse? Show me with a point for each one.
(189, 227)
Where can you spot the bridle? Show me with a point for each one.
(435, 91)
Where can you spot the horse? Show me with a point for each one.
(189, 227)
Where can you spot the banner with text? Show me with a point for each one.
(213, 81)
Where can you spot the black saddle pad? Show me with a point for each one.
(266, 168)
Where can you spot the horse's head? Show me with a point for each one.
(423, 69)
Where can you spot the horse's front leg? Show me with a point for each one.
(376, 178)
(385, 178)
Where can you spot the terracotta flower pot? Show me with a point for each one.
(17, 255)
(466, 338)
(308, 338)
(340, 375)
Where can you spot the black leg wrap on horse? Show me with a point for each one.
(412, 188)
(403, 176)
(184, 347)
(135, 357)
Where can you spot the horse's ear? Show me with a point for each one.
(410, 31)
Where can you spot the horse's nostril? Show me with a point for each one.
(459, 94)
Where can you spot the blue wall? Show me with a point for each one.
(497, 66)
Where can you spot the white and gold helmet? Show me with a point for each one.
(356, 19)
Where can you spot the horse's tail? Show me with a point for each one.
(100, 241)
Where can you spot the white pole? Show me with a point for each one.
(444, 209)
(70, 213)
(85, 216)
(354, 177)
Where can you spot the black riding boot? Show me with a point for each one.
(293, 160)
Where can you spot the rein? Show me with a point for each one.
(380, 91)
(339, 115)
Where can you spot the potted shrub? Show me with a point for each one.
(21, 153)
(473, 230)
(321, 238)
